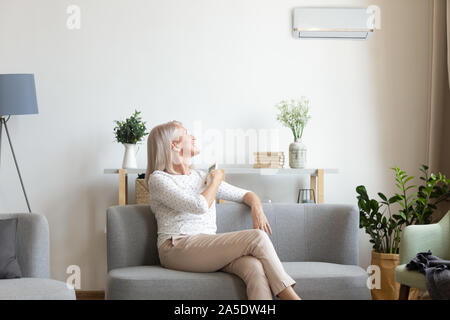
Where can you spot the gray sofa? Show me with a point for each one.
(33, 254)
(317, 244)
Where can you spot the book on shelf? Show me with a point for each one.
(262, 165)
(269, 158)
(269, 153)
(269, 162)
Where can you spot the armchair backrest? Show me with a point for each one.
(32, 244)
(424, 237)
(300, 232)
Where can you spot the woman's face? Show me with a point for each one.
(186, 143)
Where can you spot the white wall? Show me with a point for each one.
(223, 62)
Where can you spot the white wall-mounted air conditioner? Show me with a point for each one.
(332, 23)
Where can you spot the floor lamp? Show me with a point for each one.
(17, 96)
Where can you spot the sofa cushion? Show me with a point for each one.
(35, 289)
(155, 283)
(413, 279)
(9, 267)
(315, 280)
(328, 281)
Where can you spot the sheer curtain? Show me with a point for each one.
(439, 112)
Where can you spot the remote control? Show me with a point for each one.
(211, 168)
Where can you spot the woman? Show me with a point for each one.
(184, 206)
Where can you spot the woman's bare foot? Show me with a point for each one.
(288, 294)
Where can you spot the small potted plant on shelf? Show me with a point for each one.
(294, 114)
(129, 133)
(384, 220)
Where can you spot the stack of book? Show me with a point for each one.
(268, 159)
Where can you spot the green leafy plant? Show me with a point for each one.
(384, 223)
(294, 114)
(434, 191)
(132, 130)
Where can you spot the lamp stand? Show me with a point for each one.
(3, 121)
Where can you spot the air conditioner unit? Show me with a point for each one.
(332, 23)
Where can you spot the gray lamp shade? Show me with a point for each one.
(17, 94)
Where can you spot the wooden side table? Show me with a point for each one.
(123, 181)
(317, 177)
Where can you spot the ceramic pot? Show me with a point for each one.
(129, 158)
(297, 155)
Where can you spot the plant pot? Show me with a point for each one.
(297, 155)
(390, 288)
(129, 158)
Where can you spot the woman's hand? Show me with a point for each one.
(217, 175)
(259, 219)
(213, 181)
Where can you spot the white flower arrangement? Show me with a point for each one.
(294, 114)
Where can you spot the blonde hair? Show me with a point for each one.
(159, 153)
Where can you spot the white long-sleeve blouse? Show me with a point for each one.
(180, 208)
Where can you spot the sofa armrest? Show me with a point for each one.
(131, 234)
(332, 232)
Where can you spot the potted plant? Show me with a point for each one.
(384, 220)
(129, 133)
(294, 114)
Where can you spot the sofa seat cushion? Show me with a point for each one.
(156, 282)
(328, 281)
(315, 280)
(35, 289)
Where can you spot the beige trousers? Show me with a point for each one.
(247, 253)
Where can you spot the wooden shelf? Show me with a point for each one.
(244, 169)
(317, 176)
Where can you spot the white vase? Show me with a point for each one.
(297, 155)
(129, 158)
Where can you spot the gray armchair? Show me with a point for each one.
(33, 255)
(317, 244)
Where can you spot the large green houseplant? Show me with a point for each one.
(129, 133)
(384, 219)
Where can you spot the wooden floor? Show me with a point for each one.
(90, 295)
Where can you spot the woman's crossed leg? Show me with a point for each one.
(213, 252)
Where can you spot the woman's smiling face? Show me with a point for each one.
(186, 143)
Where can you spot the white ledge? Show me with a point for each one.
(245, 169)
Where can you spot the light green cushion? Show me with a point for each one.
(413, 279)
